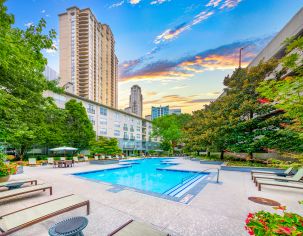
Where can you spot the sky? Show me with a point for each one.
(177, 51)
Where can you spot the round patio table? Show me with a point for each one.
(69, 227)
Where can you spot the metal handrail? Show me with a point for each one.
(218, 172)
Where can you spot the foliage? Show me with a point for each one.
(22, 82)
(6, 168)
(79, 129)
(170, 129)
(107, 146)
(265, 223)
(287, 93)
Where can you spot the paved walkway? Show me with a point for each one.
(219, 209)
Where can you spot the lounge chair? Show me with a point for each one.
(21, 191)
(50, 161)
(23, 218)
(96, 158)
(76, 159)
(62, 158)
(86, 158)
(298, 185)
(284, 174)
(103, 157)
(32, 161)
(135, 228)
(295, 178)
(17, 183)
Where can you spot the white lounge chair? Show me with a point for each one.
(285, 173)
(76, 159)
(62, 158)
(86, 158)
(96, 158)
(295, 178)
(298, 185)
(32, 161)
(50, 161)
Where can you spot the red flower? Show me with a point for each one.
(282, 208)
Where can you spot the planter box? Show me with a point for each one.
(211, 162)
(249, 169)
(103, 162)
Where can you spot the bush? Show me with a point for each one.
(7, 169)
(266, 223)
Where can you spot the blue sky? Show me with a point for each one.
(178, 51)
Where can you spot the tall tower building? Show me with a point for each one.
(135, 101)
(85, 63)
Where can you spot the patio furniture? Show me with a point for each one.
(25, 190)
(50, 161)
(76, 159)
(96, 158)
(64, 164)
(72, 227)
(298, 185)
(295, 178)
(134, 228)
(284, 174)
(17, 183)
(62, 158)
(32, 161)
(25, 217)
(85, 158)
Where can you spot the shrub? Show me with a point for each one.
(7, 169)
(266, 223)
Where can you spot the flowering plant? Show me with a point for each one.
(7, 169)
(266, 223)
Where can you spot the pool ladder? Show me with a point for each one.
(218, 172)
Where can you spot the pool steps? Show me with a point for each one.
(183, 187)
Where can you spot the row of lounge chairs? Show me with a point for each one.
(51, 160)
(285, 179)
(25, 217)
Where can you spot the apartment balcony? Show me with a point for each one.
(125, 137)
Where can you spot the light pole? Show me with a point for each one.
(240, 57)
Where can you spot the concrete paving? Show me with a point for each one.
(219, 209)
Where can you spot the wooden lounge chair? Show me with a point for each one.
(17, 183)
(285, 173)
(295, 178)
(134, 228)
(21, 191)
(298, 185)
(32, 161)
(23, 218)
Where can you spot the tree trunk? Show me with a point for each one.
(250, 155)
(208, 153)
(222, 155)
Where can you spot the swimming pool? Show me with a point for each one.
(148, 175)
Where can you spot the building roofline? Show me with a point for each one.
(108, 107)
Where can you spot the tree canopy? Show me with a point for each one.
(107, 146)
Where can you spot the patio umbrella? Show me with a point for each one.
(58, 149)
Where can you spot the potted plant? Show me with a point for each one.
(6, 169)
(266, 223)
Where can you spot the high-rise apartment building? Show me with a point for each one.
(87, 56)
(159, 111)
(135, 101)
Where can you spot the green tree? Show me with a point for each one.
(79, 129)
(22, 82)
(107, 146)
(170, 129)
(287, 92)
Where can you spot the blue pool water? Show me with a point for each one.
(143, 176)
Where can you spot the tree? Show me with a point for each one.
(22, 82)
(79, 129)
(286, 93)
(170, 129)
(107, 146)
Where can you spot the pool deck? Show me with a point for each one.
(218, 209)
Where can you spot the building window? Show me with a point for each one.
(117, 124)
(91, 109)
(103, 111)
(125, 136)
(103, 131)
(91, 118)
(103, 121)
(117, 133)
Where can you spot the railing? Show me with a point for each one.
(218, 172)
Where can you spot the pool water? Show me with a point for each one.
(144, 175)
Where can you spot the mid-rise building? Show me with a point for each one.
(176, 111)
(50, 74)
(159, 111)
(135, 101)
(133, 132)
(87, 57)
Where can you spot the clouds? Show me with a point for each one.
(222, 58)
(223, 4)
(118, 4)
(171, 34)
(155, 2)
